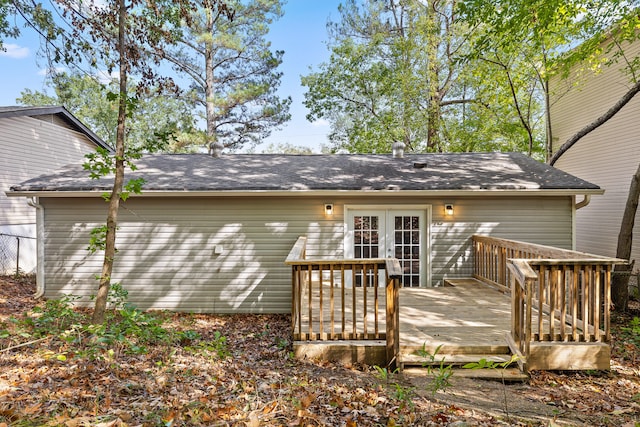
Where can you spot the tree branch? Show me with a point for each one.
(596, 123)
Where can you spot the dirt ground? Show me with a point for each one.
(548, 399)
(595, 398)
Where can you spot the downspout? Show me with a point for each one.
(584, 202)
(574, 229)
(33, 202)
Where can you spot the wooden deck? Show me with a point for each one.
(468, 320)
(548, 306)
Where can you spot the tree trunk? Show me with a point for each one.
(434, 96)
(620, 282)
(548, 152)
(210, 84)
(433, 125)
(114, 200)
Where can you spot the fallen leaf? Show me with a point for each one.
(114, 423)
(270, 407)
(254, 421)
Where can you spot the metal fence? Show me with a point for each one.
(10, 245)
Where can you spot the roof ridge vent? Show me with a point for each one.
(397, 149)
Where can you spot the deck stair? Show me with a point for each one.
(416, 365)
(449, 359)
(457, 330)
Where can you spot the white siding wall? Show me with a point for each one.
(608, 157)
(167, 247)
(30, 147)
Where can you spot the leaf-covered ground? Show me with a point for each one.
(238, 370)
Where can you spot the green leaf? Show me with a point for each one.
(98, 238)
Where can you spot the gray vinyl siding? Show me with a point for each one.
(608, 157)
(542, 220)
(30, 147)
(167, 246)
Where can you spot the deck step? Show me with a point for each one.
(509, 374)
(450, 359)
(457, 349)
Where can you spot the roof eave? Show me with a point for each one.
(295, 193)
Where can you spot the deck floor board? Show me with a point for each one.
(466, 317)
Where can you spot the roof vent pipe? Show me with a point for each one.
(215, 149)
(398, 149)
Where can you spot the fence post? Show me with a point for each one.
(18, 256)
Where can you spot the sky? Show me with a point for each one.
(301, 33)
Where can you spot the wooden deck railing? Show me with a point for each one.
(322, 287)
(557, 295)
(491, 254)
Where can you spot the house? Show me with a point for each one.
(33, 141)
(608, 156)
(210, 234)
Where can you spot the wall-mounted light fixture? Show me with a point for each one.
(328, 209)
(448, 209)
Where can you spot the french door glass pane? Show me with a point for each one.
(407, 247)
(366, 241)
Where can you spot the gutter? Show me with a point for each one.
(308, 193)
(33, 202)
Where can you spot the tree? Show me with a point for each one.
(57, 44)
(232, 70)
(401, 71)
(6, 29)
(535, 40)
(560, 36)
(136, 32)
(367, 90)
(86, 97)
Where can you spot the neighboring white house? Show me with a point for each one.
(608, 156)
(33, 141)
(210, 234)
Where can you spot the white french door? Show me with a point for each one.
(390, 232)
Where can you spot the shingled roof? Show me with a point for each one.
(339, 172)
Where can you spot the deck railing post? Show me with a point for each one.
(607, 303)
(528, 300)
(297, 253)
(522, 278)
(294, 298)
(393, 275)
